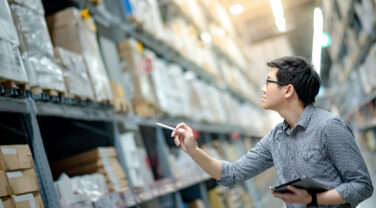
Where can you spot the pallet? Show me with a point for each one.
(120, 106)
(12, 88)
(145, 108)
(95, 2)
(47, 94)
(72, 99)
(134, 21)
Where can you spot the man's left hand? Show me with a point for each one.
(298, 196)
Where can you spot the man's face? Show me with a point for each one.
(272, 92)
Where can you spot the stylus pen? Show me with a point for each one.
(165, 126)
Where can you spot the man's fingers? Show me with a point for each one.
(293, 189)
(177, 140)
(183, 126)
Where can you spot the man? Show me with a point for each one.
(310, 142)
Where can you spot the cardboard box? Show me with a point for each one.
(76, 32)
(196, 204)
(24, 181)
(30, 200)
(4, 186)
(6, 202)
(15, 157)
(84, 158)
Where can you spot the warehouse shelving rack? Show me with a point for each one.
(32, 112)
(364, 44)
(36, 118)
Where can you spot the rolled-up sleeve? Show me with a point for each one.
(254, 162)
(345, 155)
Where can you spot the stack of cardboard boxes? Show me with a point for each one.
(100, 160)
(75, 31)
(18, 182)
(139, 64)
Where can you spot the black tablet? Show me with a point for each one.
(303, 183)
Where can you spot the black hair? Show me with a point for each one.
(297, 71)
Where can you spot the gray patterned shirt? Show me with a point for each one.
(321, 147)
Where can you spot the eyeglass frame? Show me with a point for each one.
(276, 82)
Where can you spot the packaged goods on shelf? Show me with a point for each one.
(367, 74)
(139, 64)
(162, 84)
(75, 73)
(129, 148)
(100, 160)
(15, 157)
(69, 30)
(147, 13)
(30, 200)
(180, 162)
(6, 202)
(200, 88)
(22, 181)
(366, 16)
(145, 168)
(211, 151)
(8, 32)
(231, 151)
(194, 103)
(198, 203)
(216, 198)
(178, 93)
(118, 98)
(11, 64)
(35, 5)
(4, 185)
(36, 49)
(81, 188)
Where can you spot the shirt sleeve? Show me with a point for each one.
(254, 162)
(344, 153)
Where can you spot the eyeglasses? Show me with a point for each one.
(275, 82)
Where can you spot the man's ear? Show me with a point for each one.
(290, 90)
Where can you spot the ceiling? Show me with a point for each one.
(256, 23)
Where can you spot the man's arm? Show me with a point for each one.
(340, 145)
(345, 155)
(228, 173)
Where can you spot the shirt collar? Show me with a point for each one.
(304, 118)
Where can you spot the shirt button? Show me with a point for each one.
(293, 177)
(291, 157)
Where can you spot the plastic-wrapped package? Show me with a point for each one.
(36, 49)
(35, 5)
(32, 31)
(11, 66)
(161, 83)
(75, 73)
(87, 188)
(68, 30)
(8, 31)
(43, 72)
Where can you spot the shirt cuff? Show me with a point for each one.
(227, 177)
(347, 194)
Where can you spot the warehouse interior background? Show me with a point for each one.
(83, 82)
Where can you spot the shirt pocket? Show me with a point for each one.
(314, 162)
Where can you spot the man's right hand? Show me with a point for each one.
(183, 137)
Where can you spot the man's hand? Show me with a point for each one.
(184, 138)
(298, 196)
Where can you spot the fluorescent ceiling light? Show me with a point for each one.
(318, 21)
(205, 37)
(236, 9)
(278, 13)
